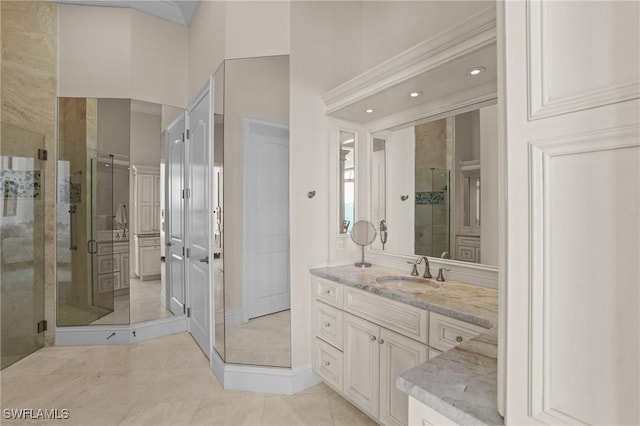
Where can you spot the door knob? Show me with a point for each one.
(205, 260)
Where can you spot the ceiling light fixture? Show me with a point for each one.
(369, 111)
(477, 70)
(415, 94)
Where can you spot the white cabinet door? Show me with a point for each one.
(149, 261)
(145, 203)
(124, 270)
(397, 355)
(362, 361)
(156, 203)
(573, 132)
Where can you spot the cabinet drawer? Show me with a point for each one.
(146, 242)
(329, 292)
(329, 364)
(446, 332)
(108, 282)
(467, 253)
(399, 317)
(108, 263)
(329, 324)
(469, 241)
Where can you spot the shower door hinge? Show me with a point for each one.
(188, 312)
(42, 326)
(42, 154)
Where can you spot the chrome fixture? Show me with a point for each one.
(427, 272)
(441, 275)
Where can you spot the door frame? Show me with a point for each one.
(246, 122)
(207, 89)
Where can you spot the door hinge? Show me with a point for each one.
(182, 136)
(188, 312)
(182, 251)
(184, 308)
(187, 252)
(42, 326)
(188, 134)
(42, 154)
(183, 194)
(187, 193)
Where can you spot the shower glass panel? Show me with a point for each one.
(22, 252)
(432, 212)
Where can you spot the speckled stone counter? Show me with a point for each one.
(461, 383)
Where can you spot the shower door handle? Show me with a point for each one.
(92, 247)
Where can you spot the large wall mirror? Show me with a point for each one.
(434, 186)
(109, 216)
(251, 207)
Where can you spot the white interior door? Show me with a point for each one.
(573, 173)
(175, 173)
(266, 218)
(199, 237)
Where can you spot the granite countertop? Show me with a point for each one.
(461, 383)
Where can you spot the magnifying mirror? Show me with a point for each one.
(363, 233)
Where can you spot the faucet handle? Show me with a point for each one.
(441, 275)
(414, 272)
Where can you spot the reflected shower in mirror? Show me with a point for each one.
(437, 207)
(256, 289)
(99, 267)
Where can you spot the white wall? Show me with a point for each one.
(489, 228)
(391, 27)
(326, 41)
(401, 149)
(206, 43)
(257, 87)
(110, 52)
(145, 139)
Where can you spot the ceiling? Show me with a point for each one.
(437, 83)
(178, 11)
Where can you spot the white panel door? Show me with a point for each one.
(175, 217)
(198, 221)
(397, 355)
(266, 218)
(361, 363)
(572, 112)
(145, 204)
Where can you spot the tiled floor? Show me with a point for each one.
(261, 341)
(166, 381)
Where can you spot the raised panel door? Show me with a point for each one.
(362, 363)
(397, 355)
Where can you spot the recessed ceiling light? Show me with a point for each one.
(415, 94)
(477, 70)
(369, 111)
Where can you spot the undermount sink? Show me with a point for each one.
(408, 283)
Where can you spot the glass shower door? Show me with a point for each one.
(22, 245)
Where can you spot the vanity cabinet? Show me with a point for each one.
(113, 266)
(364, 342)
(468, 247)
(147, 261)
(146, 195)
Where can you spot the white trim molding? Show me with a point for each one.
(469, 35)
(119, 334)
(285, 381)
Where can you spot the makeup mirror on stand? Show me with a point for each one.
(363, 233)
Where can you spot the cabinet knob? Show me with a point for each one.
(327, 292)
(373, 338)
(459, 339)
(327, 324)
(327, 364)
(381, 341)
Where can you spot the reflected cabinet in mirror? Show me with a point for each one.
(251, 212)
(347, 179)
(433, 184)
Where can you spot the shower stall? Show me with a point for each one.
(22, 246)
(432, 204)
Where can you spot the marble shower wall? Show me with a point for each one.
(28, 79)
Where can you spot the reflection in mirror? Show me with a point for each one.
(347, 180)
(257, 320)
(99, 268)
(435, 207)
(218, 205)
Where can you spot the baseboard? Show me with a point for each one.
(119, 334)
(285, 381)
(163, 299)
(233, 318)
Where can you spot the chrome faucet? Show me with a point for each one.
(427, 272)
